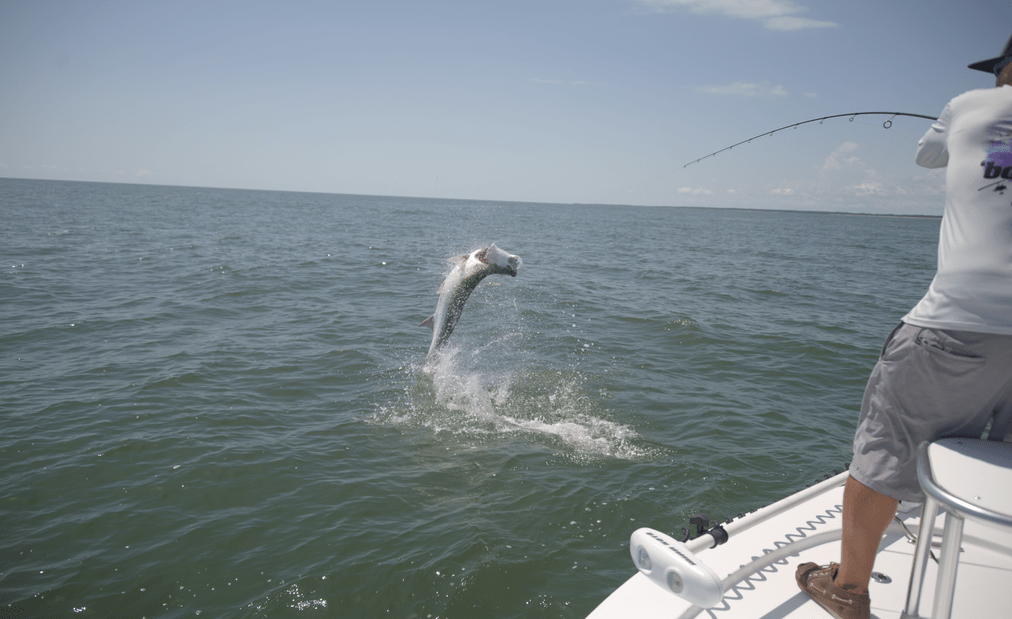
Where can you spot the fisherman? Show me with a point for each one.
(946, 370)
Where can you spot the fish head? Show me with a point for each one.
(500, 261)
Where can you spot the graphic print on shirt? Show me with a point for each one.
(998, 163)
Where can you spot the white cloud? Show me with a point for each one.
(795, 23)
(697, 191)
(787, 191)
(565, 83)
(746, 89)
(773, 14)
(143, 173)
(845, 175)
(869, 188)
(835, 160)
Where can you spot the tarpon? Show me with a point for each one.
(468, 271)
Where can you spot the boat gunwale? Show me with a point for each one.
(705, 542)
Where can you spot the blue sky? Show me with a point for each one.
(586, 101)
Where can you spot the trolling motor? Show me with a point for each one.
(669, 564)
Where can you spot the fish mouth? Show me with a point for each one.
(503, 263)
(513, 265)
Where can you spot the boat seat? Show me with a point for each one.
(966, 478)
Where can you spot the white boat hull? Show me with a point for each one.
(806, 527)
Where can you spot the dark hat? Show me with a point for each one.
(995, 65)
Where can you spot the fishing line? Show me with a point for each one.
(888, 123)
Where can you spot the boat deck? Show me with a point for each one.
(809, 530)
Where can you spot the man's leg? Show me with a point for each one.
(866, 515)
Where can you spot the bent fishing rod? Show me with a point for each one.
(888, 123)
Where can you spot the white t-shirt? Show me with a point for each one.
(972, 289)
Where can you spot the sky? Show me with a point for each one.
(556, 101)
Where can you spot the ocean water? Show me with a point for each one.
(216, 402)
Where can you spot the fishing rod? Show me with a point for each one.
(888, 123)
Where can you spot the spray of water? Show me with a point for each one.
(455, 397)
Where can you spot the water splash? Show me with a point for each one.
(291, 597)
(456, 397)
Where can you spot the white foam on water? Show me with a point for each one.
(455, 398)
(589, 435)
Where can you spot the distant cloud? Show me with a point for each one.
(868, 187)
(566, 83)
(746, 89)
(143, 173)
(773, 14)
(844, 173)
(836, 160)
(787, 191)
(697, 191)
(789, 23)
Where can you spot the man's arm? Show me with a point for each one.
(931, 149)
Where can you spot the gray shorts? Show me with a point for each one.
(929, 383)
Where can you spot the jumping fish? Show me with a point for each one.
(468, 271)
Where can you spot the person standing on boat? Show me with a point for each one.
(946, 370)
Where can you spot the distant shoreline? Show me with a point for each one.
(769, 210)
(578, 204)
